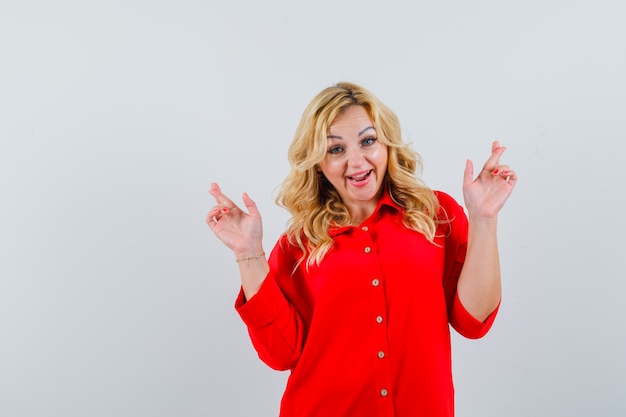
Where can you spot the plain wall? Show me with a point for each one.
(115, 117)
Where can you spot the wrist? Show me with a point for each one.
(482, 220)
(248, 258)
(247, 251)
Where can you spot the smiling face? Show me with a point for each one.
(356, 161)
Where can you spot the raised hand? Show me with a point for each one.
(486, 194)
(240, 231)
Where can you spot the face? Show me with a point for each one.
(355, 162)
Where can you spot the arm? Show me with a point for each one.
(276, 329)
(479, 286)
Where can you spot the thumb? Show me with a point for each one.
(250, 205)
(468, 175)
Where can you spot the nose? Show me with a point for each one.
(355, 157)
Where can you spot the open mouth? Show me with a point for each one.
(360, 177)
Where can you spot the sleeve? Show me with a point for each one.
(275, 327)
(456, 247)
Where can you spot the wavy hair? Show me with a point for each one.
(313, 202)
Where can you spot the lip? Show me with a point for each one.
(359, 174)
(360, 179)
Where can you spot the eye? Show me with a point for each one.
(335, 149)
(368, 141)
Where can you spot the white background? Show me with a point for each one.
(115, 117)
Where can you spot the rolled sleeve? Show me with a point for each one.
(275, 327)
(262, 309)
(466, 324)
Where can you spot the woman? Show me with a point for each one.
(357, 296)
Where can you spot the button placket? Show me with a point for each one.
(379, 306)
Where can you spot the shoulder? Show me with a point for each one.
(447, 203)
(284, 257)
(286, 248)
(452, 217)
(285, 244)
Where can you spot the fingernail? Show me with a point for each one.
(224, 210)
(495, 172)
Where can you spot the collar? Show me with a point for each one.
(385, 200)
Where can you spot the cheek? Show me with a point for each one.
(380, 156)
(331, 168)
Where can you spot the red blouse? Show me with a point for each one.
(366, 332)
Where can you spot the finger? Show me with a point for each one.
(215, 214)
(215, 189)
(468, 175)
(210, 220)
(500, 170)
(221, 199)
(250, 205)
(219, 211)
(509, 176)
(494, 158)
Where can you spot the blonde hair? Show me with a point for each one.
(313, 202)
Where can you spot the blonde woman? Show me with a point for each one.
(357, 297)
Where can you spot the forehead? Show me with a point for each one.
(354, 117)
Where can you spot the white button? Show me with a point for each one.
(379, 319)
(381, 354)
(365, 228)
(384, 392)
(375, 282)
(368, 249)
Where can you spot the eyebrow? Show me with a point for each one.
(360, 133)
